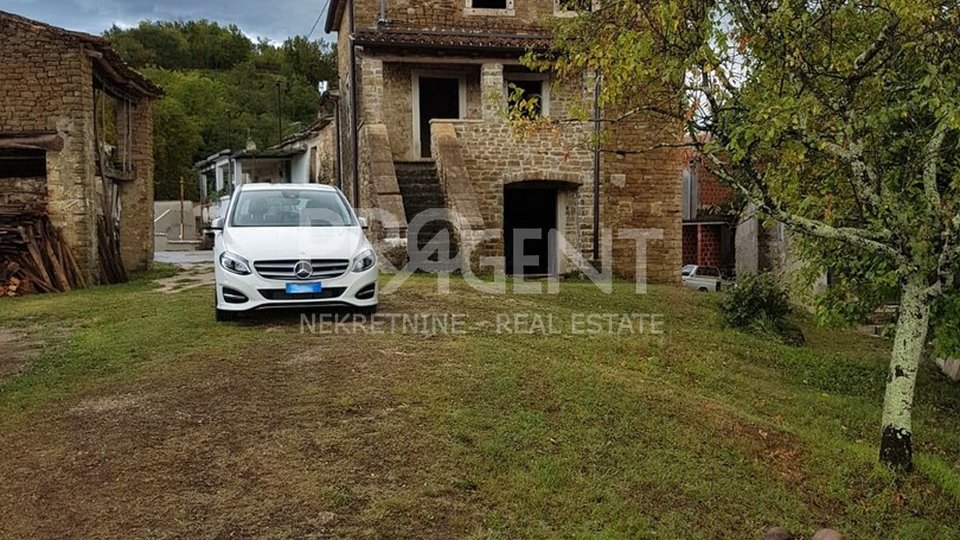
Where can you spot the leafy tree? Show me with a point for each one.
(159, 44)
(214, 47)
(176, 139)
(313, 60)
(838, 118)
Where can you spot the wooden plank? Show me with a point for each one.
(37, 260)
(54, 263)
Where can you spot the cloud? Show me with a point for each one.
(273, 19)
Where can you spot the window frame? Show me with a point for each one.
(507, 11)
(544, 79)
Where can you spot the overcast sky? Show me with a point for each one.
(274, 19)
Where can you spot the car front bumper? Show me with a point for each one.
(253, 292)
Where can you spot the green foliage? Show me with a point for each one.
(220, 90)
(821, 112)
(755, 301)
(946, 338)
(175, 134)
(181, 45)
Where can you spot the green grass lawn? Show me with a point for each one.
(142, 416)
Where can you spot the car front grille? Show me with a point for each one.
(282, 294)
(283, 269)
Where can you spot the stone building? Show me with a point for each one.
(424, 91)
(76, 134)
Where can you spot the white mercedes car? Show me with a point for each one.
(292, 246)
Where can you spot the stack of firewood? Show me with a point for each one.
(10, 283)
(33, 255)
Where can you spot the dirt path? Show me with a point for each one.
(17, 351)
(298, 442)
(196, 270)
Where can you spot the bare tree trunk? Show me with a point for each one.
(896, 447)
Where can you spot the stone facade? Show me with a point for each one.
(48, 85)
(524, 16)
(640, 191)
(320, 160)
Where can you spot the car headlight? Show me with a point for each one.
(364, 261)
(232, 262)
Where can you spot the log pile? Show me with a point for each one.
(33, 254)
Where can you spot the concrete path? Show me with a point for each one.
(184, 257)
(197, 270)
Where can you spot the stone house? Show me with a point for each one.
(421, 114)
(76, 136)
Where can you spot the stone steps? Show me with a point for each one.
(420, 188)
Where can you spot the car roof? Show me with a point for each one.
(261, 186)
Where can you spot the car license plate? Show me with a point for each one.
(303, 288)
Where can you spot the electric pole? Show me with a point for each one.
(279, 116)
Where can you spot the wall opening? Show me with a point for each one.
(438, 97)
(23, 163)
(488, 4)
(529, 228)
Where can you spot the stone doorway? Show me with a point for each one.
(436, 96)
(529, 229)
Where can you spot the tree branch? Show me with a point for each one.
(859, 238)
(948, 266)
(863, 175)
(860, 63)
(931, 158)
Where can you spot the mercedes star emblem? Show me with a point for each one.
(303, 270)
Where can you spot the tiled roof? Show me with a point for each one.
(436, 39)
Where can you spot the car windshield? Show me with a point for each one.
(687, 270)
(290, 208)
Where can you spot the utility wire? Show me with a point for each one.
(323, 10)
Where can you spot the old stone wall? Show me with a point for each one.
(326, 158)
(496, 155)
(522, 15)
(347, 127)
(136, 197)
(23, 190)
(46, 85)
(378, 186)
(642, 190)
(640, 187)
(398, 98)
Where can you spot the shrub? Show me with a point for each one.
(755, 302)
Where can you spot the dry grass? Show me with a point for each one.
(146, 419)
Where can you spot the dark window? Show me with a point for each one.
(489, 4)
(530, 91)
(16, 163)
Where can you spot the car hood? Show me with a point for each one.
(268, 243)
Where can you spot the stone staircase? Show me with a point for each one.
(420, 188)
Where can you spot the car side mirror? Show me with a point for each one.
(363, 223)
(217, 224)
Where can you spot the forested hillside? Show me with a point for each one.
(221, 89)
